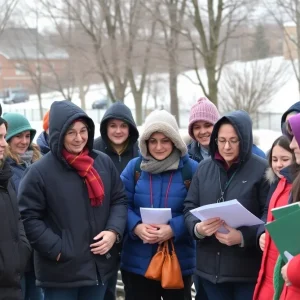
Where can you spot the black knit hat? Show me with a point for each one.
(2, 121)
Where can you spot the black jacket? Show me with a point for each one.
(217, 262)
(195, 151)
(57, 214)
(121, 112)
(14, 246)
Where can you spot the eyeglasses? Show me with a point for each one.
(222, 142)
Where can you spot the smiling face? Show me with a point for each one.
(228, 143)
(117, 131)
(19, 143)
(160, 146)
(202, 131)
(76, 137)
(281, 158)
(3, 142)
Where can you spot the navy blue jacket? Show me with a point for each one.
(217, 262)
(121, 112)
(57, 213)
(136, 255)
(43, 142)
(18, 172)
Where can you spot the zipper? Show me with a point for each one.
(120, 158)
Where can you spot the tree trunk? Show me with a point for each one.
(212, 85)
(173, 74)
(82, 96)
(39, 94)
(138, 100)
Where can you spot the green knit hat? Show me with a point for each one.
(17, 123)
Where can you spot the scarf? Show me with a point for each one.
(155, 166)
(27, 158)
(83, 164)
(5, 174)
(277, 279)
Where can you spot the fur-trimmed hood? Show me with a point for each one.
(271, 176)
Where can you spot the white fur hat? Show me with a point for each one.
(163, 122)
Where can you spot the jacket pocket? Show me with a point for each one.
(67, 248)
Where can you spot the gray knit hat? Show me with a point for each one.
(163, 122)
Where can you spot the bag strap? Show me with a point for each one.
(187, 175)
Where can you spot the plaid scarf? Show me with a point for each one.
(83, 164)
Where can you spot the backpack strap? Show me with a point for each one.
(187, 175)
(137, 170)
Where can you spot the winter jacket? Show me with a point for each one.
(194, 151)
(43, 142)
(292, 292)
(264, 289)
(18, 172)
(121, 112)
(15, 249)
(258, 151)
(136, 255)
(57, 213)
(217, 262)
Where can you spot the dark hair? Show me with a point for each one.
(284, 142)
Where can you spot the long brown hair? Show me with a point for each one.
(36, 153)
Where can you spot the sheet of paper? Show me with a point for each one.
(155, 215)
(232, 212)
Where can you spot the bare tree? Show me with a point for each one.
(6, 9)
(283, 11)
(215, 23)
(251, 86)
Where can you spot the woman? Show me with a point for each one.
(228, 263)
(21, 153)
(290, 271)
(14, 247)
(74, 209)
(119, 135)
(280, 179)
(203, 116)
(160, 184)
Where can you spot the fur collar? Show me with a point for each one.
(270, 175)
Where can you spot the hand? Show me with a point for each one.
(209, 227)
(107, 240)
(284, 274)
(233, 237)
(143, 232)
(262, 241)
(163, 232)
(58, 257)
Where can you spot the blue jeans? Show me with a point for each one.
(29, 290)
(110, 293)
(229, 290)
(95, 292)
(200, 291)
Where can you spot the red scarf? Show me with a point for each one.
(83, 164)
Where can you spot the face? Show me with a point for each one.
(202, 131)
(295, 147)
(76, 138)
(3, 142)
(117, 131)
(160, 146)
(228, 143)
(19, 143)
(281, 158)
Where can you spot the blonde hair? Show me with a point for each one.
(16, 157)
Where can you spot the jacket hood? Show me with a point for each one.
(62, 115)
(119, 111)
(294, 108)
(42, 142)
(242, 124)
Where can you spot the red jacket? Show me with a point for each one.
(264, 289)
(292, 292)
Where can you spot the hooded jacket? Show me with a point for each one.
(57, 214)
(294, 108)
(43, 142)
(121, 112)
(217, 262)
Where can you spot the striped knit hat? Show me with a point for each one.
(203, 110)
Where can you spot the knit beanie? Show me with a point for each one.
(16, 124)
(46, 121)
(163, 122)
(203, 110)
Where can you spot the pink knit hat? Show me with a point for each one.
(203, 110)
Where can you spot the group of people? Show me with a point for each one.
(70, 204)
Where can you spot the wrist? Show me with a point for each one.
(117, 236)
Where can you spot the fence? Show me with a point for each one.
(261, 120)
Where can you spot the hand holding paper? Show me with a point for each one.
(143, 231)
(209, 227)
(233, 237)
(162, 232)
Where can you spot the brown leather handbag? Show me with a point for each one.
(154, 270)
(171, 277)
